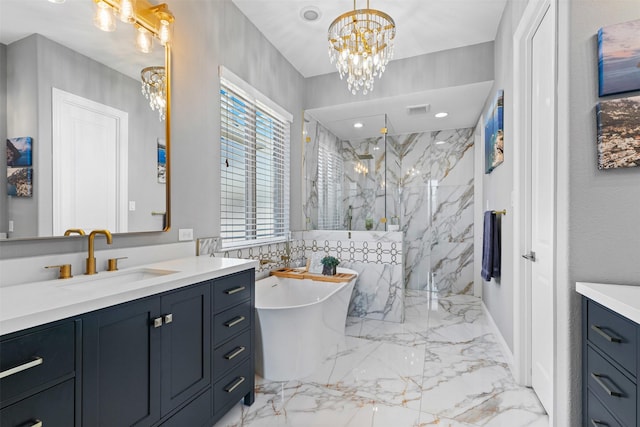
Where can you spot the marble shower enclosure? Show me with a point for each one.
(428, 178)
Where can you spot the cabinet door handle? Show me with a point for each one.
(233, 353)
(235, 385)
(597, 423)
(604, 386)
(28, 365)
(233, 322)
(235, 290)
(605, 335)
(157, 322)
(37, 423)
(168, 318)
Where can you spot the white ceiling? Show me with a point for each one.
(422, 26)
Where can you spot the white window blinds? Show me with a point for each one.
(254, 144)
(330, 182)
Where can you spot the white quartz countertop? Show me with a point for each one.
(623, 299)
(32, 304)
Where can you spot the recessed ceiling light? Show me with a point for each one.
(57, 1)
(441, 114)
(440, 142)
(358, 125)
(310, 13)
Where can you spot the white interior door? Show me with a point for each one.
(89, 194)
(542, 212)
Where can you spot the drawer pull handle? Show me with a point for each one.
(605, 335)
(235, 385)
(37, 423)
(235, 290)
(604, 386)
(597, 423)
(32, 363)
(234, 322)
(236, 351)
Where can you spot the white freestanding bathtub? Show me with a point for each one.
(298, 322)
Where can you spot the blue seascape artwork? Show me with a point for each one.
(619, 58)
(19, 151)
(494, 134)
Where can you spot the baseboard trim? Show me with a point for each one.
(504, 348)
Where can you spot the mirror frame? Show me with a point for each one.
(167, 213)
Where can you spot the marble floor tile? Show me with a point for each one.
(442, 367)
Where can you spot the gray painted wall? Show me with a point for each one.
(497, 186)
(3, 137)
(453, 67)
(39, 64)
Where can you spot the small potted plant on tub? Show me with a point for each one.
(329, 265)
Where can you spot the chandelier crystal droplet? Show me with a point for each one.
(154, 88)
(361, 45)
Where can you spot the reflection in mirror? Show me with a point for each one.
(348, 177)
(99, 150)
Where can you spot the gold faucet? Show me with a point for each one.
(91, 260)
(79, 231)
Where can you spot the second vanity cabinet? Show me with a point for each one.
(610, 367)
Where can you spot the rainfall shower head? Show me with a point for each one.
(365, 156)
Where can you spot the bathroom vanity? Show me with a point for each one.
(169, 344)
(610, 354)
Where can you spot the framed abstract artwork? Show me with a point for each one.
(494, 134)
(619, 58)
(619, 133)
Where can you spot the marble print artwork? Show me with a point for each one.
(442, 367)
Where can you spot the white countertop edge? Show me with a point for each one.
(16, 315)
(623, 299)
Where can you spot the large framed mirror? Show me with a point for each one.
(72, 100)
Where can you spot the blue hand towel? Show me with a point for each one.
(487, 245)
(496, 247)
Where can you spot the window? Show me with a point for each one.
(254, 157)
(330, 181)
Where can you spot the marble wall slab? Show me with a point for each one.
(425, 182)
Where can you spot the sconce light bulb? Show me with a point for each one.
(165, 31)
(104, 18)
(127, 11)
(144, 40)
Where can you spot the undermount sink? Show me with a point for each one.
(105, 278)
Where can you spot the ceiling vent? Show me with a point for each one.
(413, 110)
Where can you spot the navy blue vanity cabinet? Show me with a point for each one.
(610, 355)
(38, 376)
(233, 341)
(145, 359)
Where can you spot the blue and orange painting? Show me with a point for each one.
(619, 58)
(494, 134)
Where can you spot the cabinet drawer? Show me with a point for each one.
(35, 358)
(613, 334)
(232, 321)
(230, 354)
(614, 390)
(233, 386)
(597, 414)
(231, 290)
(53, 408)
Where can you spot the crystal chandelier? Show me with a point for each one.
(154, 88)
(361, 45)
